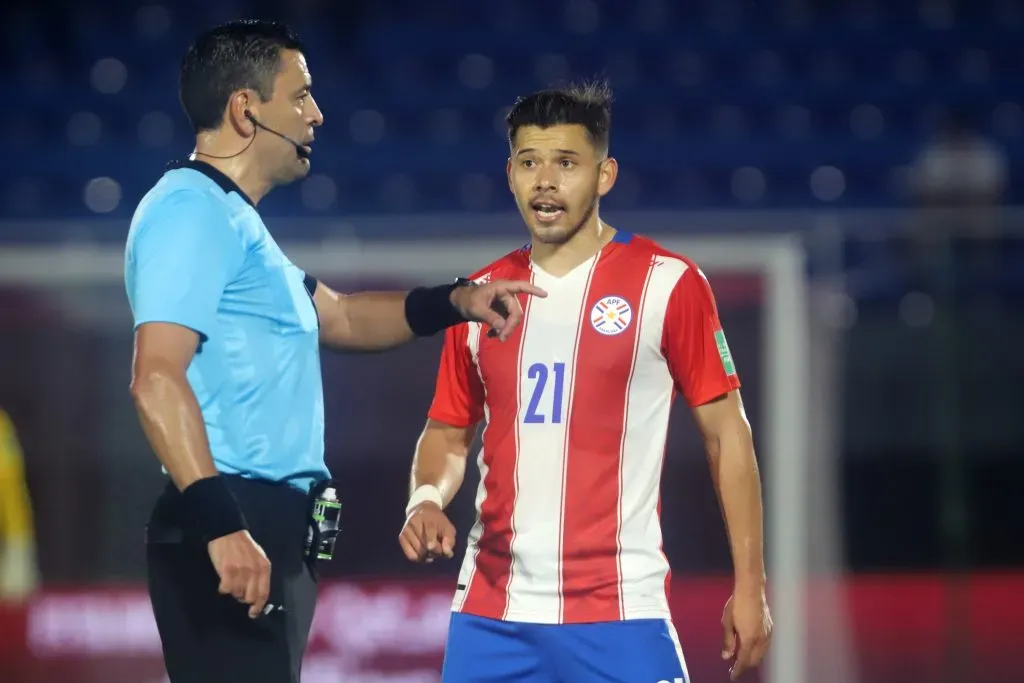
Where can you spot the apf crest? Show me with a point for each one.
(611, 315)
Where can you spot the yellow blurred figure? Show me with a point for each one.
(19, 575)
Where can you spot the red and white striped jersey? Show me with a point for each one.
(576, 404)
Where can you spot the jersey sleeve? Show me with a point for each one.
(183, 256)
(459, 392)
(694, 343)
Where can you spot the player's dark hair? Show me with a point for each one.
(588, 104)
(233, 56)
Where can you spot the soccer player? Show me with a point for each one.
(226, 371)
(564, 578)
(19, 572)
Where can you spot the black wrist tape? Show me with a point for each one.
(428, 310)
(213, 508)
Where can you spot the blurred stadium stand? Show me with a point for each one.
(722, 104)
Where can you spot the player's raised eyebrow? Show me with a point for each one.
(527, 150)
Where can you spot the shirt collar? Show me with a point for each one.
(223, 181)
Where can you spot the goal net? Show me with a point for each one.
(66, 352)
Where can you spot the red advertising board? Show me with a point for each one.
(895, 629)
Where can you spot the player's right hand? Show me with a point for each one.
(243, 568)
(427, 534)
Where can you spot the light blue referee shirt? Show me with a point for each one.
(199, 255)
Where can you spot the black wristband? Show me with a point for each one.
(211, 505)
(428, 310)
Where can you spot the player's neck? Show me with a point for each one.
(242, 169)
(561, 259)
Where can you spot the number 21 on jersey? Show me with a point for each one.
(545, 403)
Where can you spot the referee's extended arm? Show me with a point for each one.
(173, 423)
(377, 321)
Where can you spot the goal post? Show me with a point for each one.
(788, 384)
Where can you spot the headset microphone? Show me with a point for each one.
(299, 149)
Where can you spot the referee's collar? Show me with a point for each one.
(225, 183)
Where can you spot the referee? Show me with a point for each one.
(226, 370)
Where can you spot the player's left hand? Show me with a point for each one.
(747, 631)
(495, 304)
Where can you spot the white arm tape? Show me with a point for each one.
(425, 493)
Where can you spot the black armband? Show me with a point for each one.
(428, 310)
(211, 505)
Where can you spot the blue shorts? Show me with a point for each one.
(483, 650)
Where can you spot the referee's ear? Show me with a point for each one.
(238, 114)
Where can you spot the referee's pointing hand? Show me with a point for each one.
(243, 568)
(495, 304)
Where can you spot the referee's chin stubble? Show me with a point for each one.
(291, 167)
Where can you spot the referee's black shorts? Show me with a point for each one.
(208, 637)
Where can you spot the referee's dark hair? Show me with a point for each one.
(234, 56)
